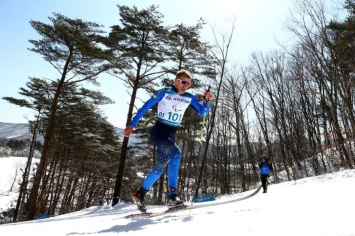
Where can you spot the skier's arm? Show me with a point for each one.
(202, 109)
(147, 105)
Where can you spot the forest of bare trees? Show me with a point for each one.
(294, 104)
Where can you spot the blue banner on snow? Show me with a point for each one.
(204, 198)
(44, 216)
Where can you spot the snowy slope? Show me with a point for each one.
(13, 130)
(10, 177)
(321, 205)
(21, 131)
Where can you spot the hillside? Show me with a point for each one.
(21, 131)
(13, 130)
(321, 205)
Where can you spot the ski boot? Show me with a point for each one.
(173, 199)
(138, 198)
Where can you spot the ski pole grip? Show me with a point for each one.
(208, 89)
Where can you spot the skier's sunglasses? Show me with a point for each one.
(184, 82)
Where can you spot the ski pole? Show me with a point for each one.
(204, 119)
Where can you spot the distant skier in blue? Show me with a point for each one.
(172, 103)
(265, 167)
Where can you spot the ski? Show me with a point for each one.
(141, 215)
(144, 215)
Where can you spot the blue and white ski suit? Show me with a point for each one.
(171, 109)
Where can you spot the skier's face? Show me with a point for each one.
(182, 83)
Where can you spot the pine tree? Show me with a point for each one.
(187, 51)
(140, 49)
(73, 48)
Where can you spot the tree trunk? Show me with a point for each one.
(32, 202)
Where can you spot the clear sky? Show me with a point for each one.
(258, 23)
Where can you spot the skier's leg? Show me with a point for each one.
(173, 167)
(160, 138)
(266, 183)
(173, 174)
(263, 182)
(161, 161)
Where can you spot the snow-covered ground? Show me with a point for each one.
(10, 176)
(321, 205)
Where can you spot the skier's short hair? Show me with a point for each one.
(184, 73)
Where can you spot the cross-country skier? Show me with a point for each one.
(265, 167)
(172, 103)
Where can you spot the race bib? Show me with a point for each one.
(171, 109)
